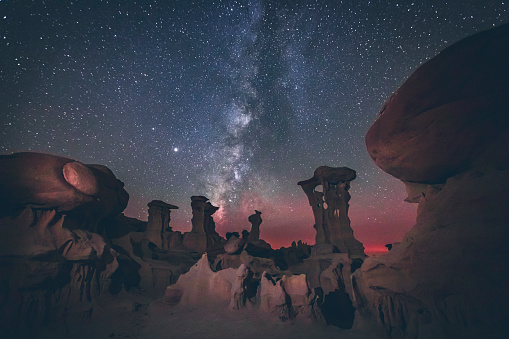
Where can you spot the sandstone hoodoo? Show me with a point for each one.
(203, 236)
(255, 220)
(158, 224)
(445, 133)
(330, 210)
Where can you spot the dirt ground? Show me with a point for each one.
(140, 317)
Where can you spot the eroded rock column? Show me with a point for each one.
(203, 235)
(158, 221)
(330, 209)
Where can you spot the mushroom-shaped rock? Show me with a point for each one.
(330, 209)
(449, 114)
(445, 133)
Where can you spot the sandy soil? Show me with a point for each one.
(117, 317)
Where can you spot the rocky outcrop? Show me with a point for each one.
(203, 236)
(445, 133)
(86, 193)
(234, 288)
(330, 210)
(257, 264)
(273, 297)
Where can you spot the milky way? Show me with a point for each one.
(234, 100)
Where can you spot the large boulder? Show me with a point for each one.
(47, 181)
(450, 114)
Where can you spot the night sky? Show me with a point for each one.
(233, 100)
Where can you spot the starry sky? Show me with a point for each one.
(233, 100)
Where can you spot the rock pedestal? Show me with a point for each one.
(158, 222)
(330, 209)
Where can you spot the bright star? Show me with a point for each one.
(175, 149)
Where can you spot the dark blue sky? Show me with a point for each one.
(234, 100)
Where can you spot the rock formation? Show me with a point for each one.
(330, 209)
(445, 133)
(201, 285)
(86, 193)
(49, 267)
(158, 224)
(64, 243)
(273, 297)
(255, 220)
(203, 236)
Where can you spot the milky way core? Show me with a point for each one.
(233, 100)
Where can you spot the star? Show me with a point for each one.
(253, 97)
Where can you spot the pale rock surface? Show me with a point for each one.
(273, 297)
(201, 285)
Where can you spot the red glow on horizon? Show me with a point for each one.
(287, 218)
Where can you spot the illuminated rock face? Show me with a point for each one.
(330, 209)
(445, 134)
